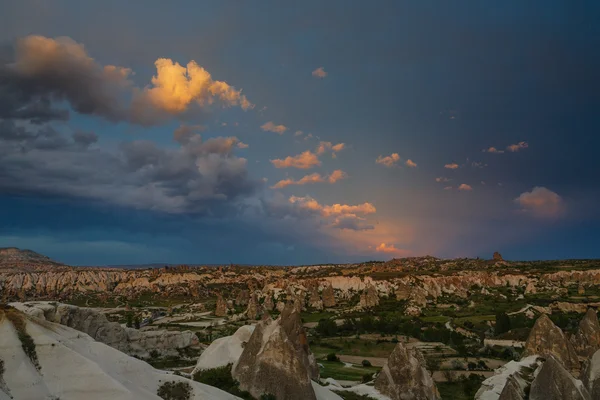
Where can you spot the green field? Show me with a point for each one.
(339, 371)
(352, 347)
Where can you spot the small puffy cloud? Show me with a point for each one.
(298, 133)
(451, 166)
(388, 161)
(271, 127)
(338, 147)
(305, 160)
(312, 178)
(326, 146)
(517, 147)
(175, 87)
(184, 132)
(242, 145)
(541, 202)
(442, 179)
(448, 188)
(410, 163)
(319, 73)
(387, 248)
(465, 187)
(493, 150)
(336, 175)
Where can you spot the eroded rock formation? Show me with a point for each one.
(404, 376)
(221, 307)
(554, 382)
(546, 339)
(586, 341)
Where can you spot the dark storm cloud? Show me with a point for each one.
(45, 70)
(195, 177)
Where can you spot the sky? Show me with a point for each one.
(314, 132)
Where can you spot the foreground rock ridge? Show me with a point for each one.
(128, 340)
(63, 363)
(277, 361)
(404, 376)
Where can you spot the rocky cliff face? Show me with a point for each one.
(546, 339)
(369, 297)
(95, 324)
(510, 381)
(276, 360)
(554, 382)
(404, 376)
(591, 375)
(586, 341)
(221, 308)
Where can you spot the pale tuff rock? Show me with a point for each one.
(314, 300)
(280, 306)
(546, 339)
(587, 338)
(268, 304)
(369, 297)
(328, 296)
(276, 360)
(554, 382)
(581, 290)
(254, 309)
(530, 288)
(242, 298)
(225, 350)
(95, 324)
(221, 307)
(498, 256)
(591, 375)
(404, 376)
(73, 366)
(509, 381)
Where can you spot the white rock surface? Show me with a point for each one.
(75, 367)
(225, 350)
(492, 387)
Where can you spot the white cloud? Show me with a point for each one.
(271, 127)
(319, 73)
(541, 202)
(388, 161)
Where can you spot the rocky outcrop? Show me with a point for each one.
(221, 307)
(268, 304)
(546, 339)
(71, 365)
(369, 297)
(225, 350)
(95, 324)
(590, 375)
(328, 296)
(497, 256)
(510, 381)
(243, 298)
(404, 376)
(254, 309)
(554, 382)
(314, 300)
(586, 341)
(276, 360)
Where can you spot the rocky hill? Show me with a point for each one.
(13, 259)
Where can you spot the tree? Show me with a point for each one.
(502, 323)
(366, 363)
(326, 327)
(129, 320)
(332, 357)
(136, 322)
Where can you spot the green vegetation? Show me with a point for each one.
(221, 378)
(175, 391)
(27, 342)
(315, 316)
(326, 327)
(502, 323)
(338, 370)
(463, 388)
(352, 346)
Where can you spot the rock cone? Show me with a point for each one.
(404, 376)
(554, 382)
(547, 339)
(586, 341)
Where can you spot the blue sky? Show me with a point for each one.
(494, 105)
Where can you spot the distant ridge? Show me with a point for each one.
(13, 258)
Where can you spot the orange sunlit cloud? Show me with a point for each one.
(305, 160)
